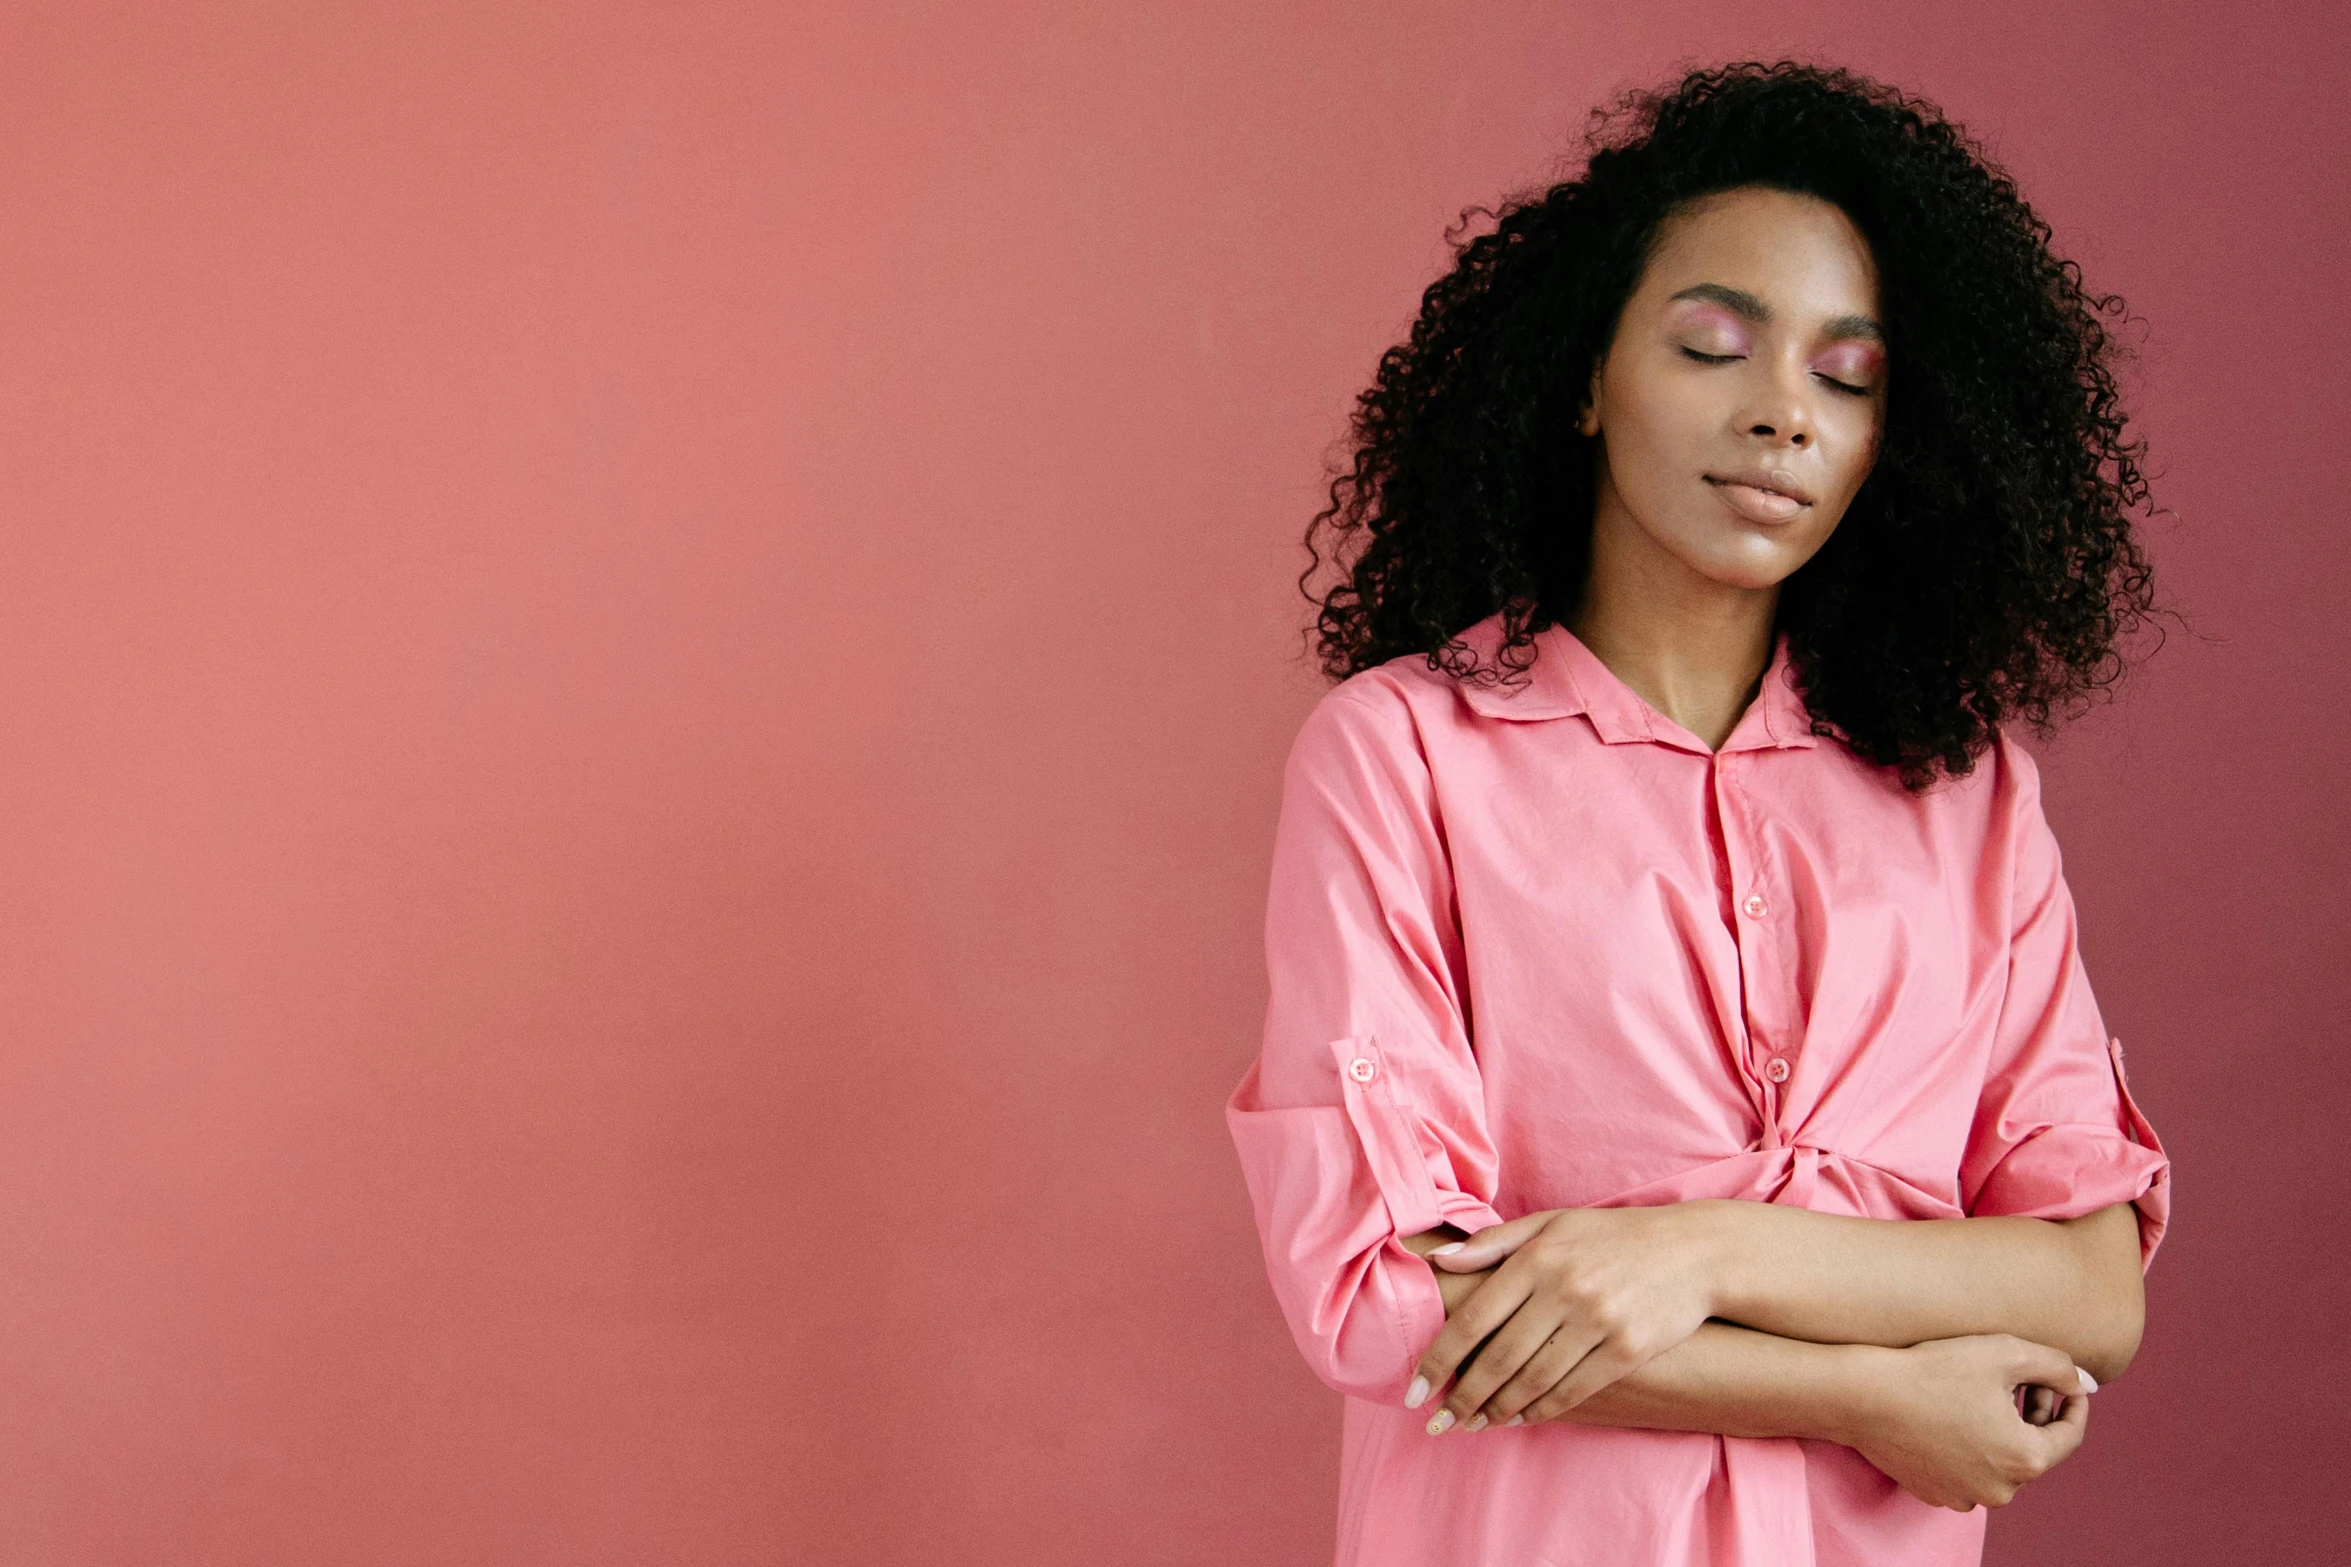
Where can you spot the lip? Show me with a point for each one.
(1761, 494)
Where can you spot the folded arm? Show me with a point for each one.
(1941, 1418)
(2073, 1284)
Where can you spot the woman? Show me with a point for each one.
(1659, 908)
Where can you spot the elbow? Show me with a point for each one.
(1379, 1385)
(2112, 1311)
(1361, 1327)
(2112, 1321)
(1357, 1358)
(2114, 1342)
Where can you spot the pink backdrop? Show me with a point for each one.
(648, 651)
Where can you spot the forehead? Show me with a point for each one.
(1798, 254)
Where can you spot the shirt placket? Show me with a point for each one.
(1760, 921)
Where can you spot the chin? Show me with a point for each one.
(1740, 564)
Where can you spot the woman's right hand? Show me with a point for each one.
(1941, 1418)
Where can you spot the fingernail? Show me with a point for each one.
(1442, 1424)
(1448, 1249)
(1476, 1422)
(2089, 1382)
(1514, 1420)
(1414, 1394)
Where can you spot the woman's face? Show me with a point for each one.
(1741, 402)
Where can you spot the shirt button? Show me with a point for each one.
(1755, 906)
(1362, 1070)
(1776, 1069)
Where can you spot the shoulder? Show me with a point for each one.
(1393, 703)
(2005, 785)
(2004, 781)
(1991, 817)
(1385, 727)
(1972, 827)
(1410, 690)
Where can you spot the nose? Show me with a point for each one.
(1780, 413)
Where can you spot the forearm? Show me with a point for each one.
(2071, 1284)
(1735, 1381)
(1723, 1379)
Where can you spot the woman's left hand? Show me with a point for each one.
(1583, 1296)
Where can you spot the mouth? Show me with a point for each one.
(1760, 497)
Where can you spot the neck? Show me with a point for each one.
(1693, 648)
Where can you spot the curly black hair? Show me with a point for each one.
(1986, 570)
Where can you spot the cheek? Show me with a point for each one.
(1858, 446)
(1663, 417)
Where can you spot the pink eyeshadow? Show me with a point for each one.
(1722, 332)
(1851, 362)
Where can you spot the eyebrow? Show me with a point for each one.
(1746, 306)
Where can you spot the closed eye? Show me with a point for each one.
(1847, 387)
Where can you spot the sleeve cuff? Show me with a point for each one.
(2065, 1171)
(1386, 1129)
(1336, 1189)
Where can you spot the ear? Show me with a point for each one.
(1588, 417)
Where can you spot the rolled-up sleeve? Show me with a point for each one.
(1362, 1120)
(2056, 1133)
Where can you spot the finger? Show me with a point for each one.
(2063, 1436)
(1489, 1245)
(2052, 1368)
(1501, 1358)
(1559, 1355)
(2072, 1425)
(1608, 1362)
(1555, 1380)
(1491, 1305)
(2040, 1405)
(1578, 1384)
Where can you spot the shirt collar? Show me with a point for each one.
(1568, 678)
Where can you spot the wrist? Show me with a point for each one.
(1456, 1288)
(1720, 1229)
(1862, 1392)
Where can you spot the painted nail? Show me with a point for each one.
(1414, 1394)
(2089, 1382)
(1448, 1249)
(1514, 1420)
(1476, 1422)
(1442, 1424)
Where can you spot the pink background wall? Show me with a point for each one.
(647, 654)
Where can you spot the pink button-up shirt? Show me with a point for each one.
(1543, 949)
